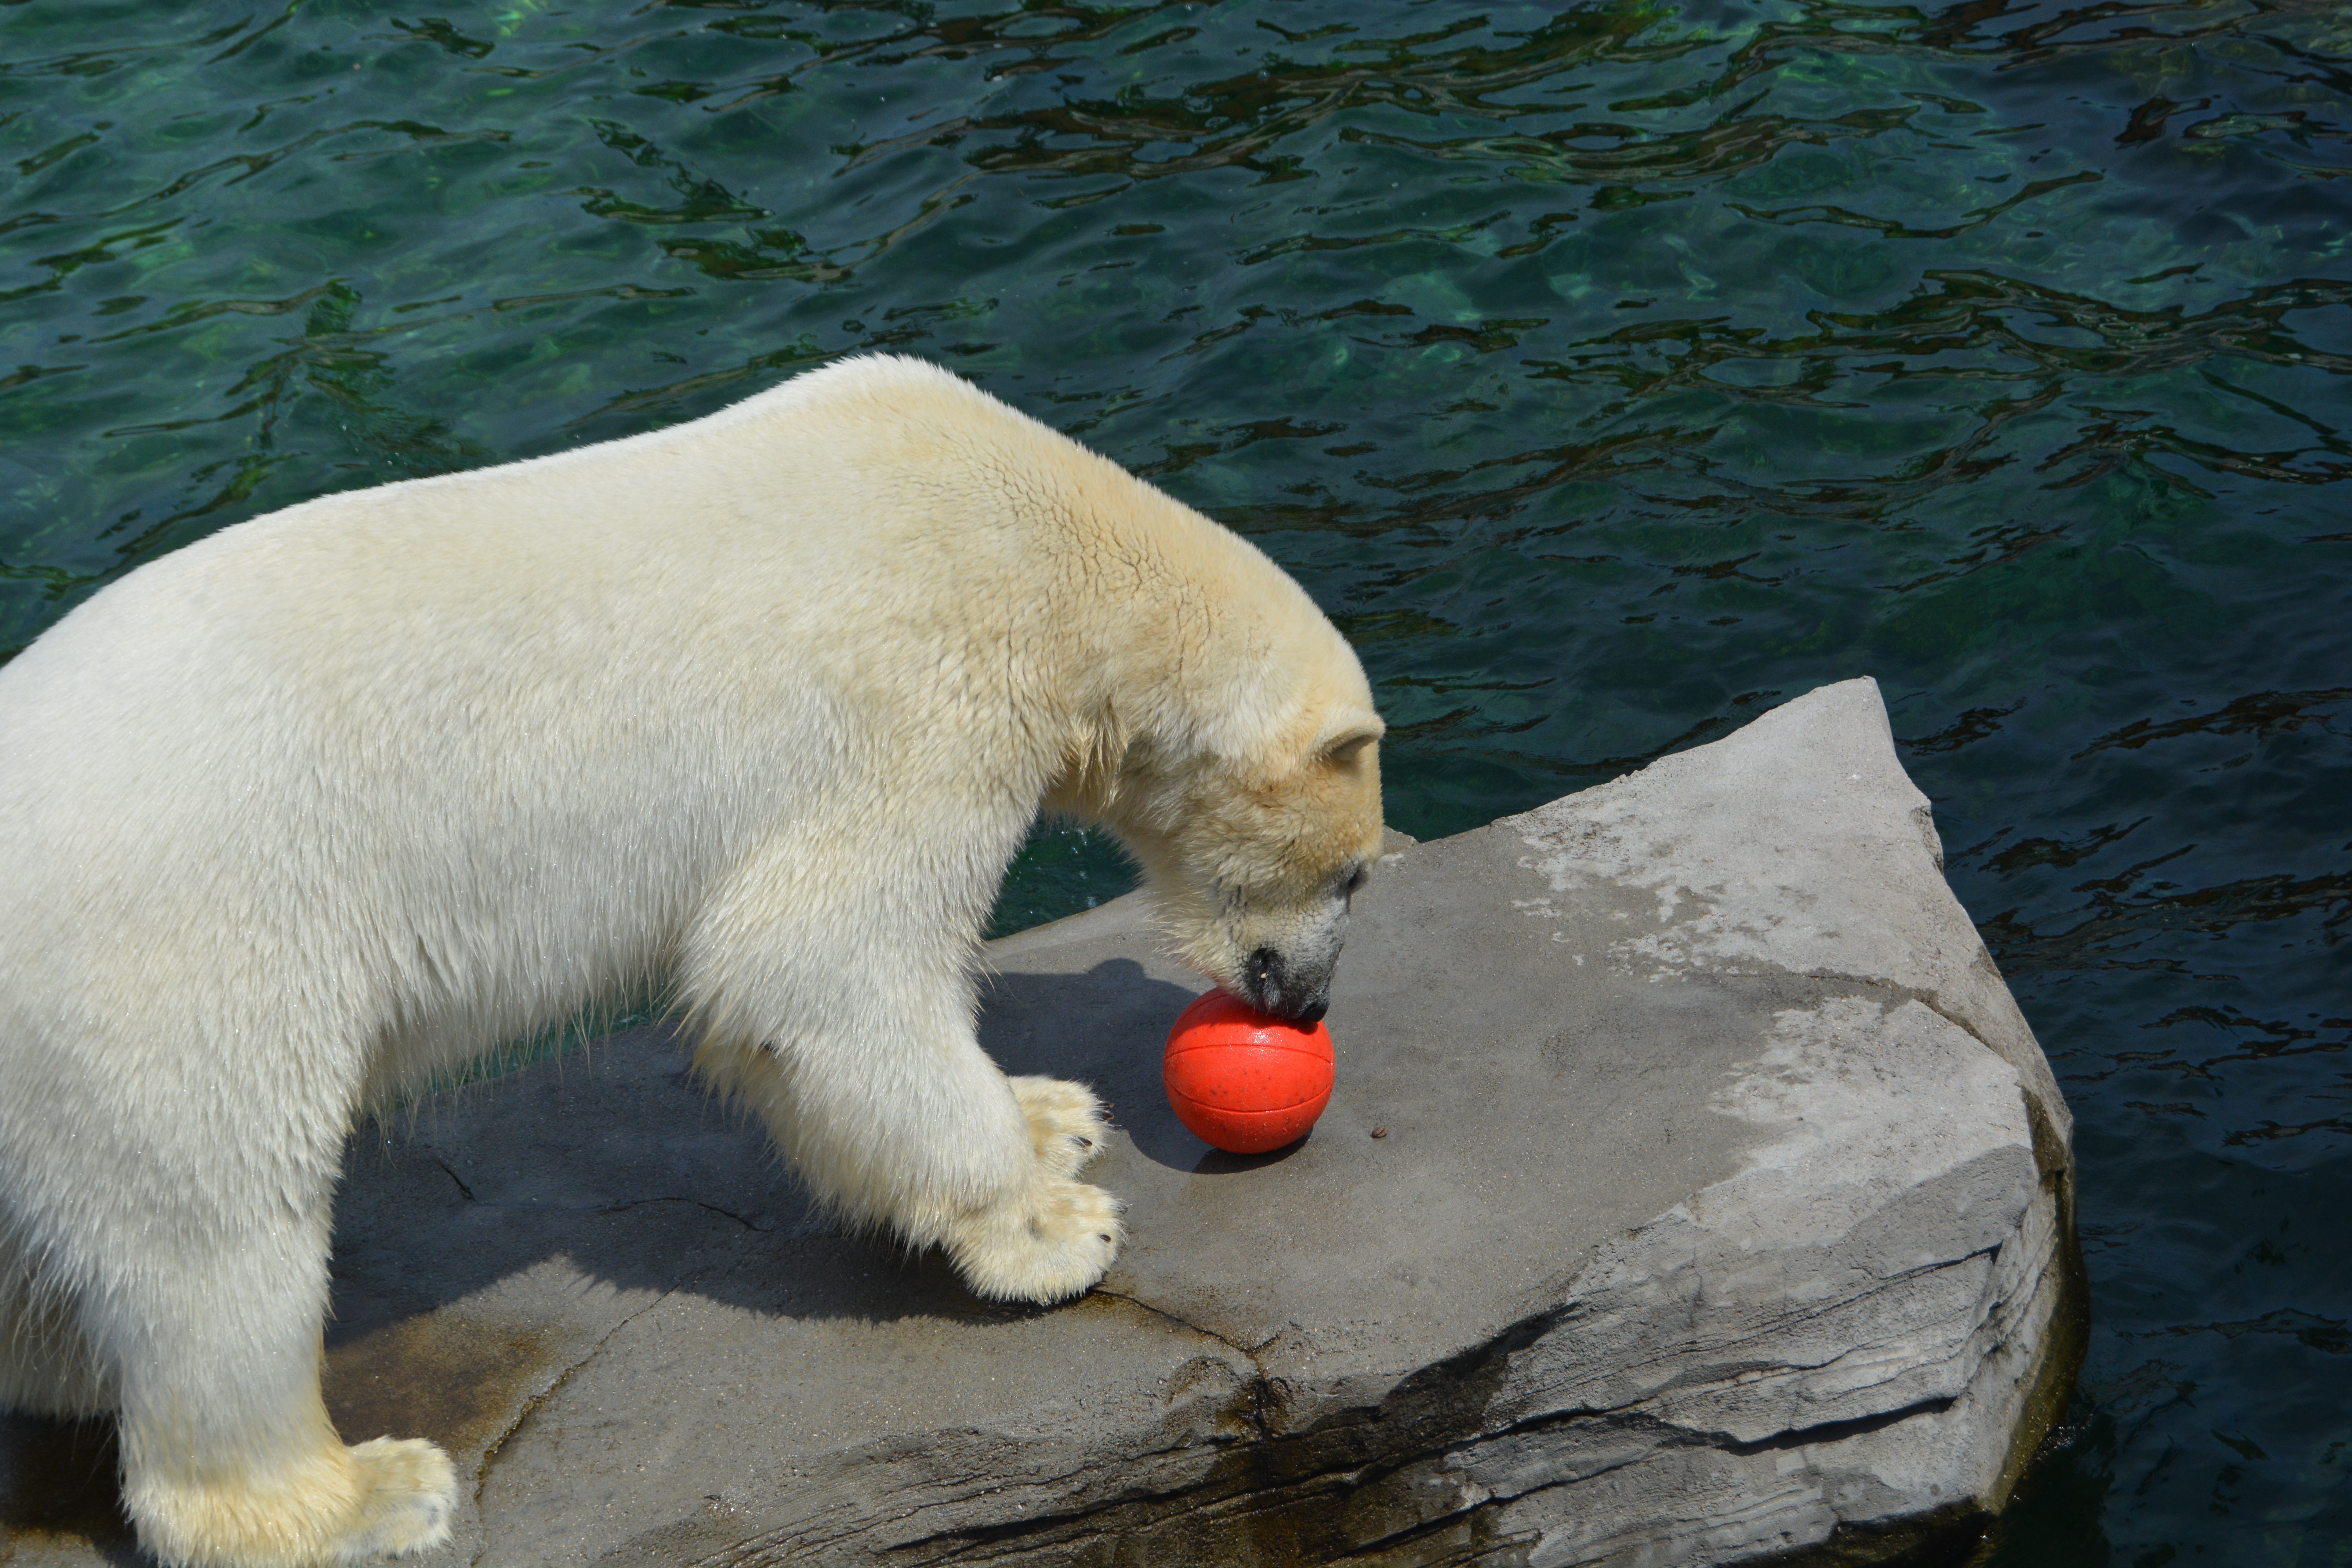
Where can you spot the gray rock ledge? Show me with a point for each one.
(1721, 1211)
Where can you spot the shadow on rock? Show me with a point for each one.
(1106, 1027)
(58, 1488)
(611, 1173)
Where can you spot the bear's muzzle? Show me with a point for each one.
(1298, 993)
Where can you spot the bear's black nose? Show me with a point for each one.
(1274, 987)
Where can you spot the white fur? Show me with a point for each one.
(325, 805)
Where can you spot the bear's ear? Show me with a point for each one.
(1351, 735)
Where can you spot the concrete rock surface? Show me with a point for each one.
(1693, 1191)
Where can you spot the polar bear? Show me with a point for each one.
(315, 809)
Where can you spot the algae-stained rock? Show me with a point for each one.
(1720, 1210)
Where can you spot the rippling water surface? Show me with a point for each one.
(1610, 372)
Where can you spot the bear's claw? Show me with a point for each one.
(1065, 1121)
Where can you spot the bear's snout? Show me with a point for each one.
(1289, 992)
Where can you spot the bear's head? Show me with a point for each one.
(1219, 724)
(1255, 828)
(1264, 864)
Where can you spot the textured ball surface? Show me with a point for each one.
(1245, 1080)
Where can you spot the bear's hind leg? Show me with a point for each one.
(229, 1459)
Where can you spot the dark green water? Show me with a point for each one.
(1611, 373)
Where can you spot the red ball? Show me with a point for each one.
(1245, 1080)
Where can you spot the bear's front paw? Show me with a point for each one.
(1053, 1237)
(1052, 1242)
